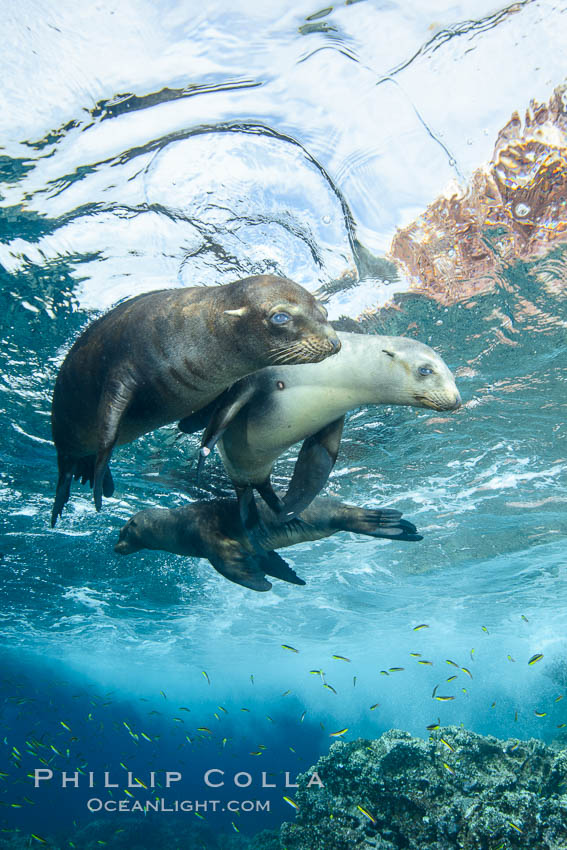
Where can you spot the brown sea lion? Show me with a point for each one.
(213, 530)
(159, 357)
(261, 416)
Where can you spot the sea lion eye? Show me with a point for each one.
(425, 370)
(280, 318)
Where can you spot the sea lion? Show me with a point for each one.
(213, 530)
(161, 356)
(261, 416)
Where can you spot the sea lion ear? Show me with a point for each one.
(238, 313)
(389, 353)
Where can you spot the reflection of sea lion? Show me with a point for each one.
(213, 530)
(261, 416)
(163, 355)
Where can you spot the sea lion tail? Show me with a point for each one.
(379, 522)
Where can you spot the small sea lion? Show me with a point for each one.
(163, 355)
(261, 416)
(213, 530)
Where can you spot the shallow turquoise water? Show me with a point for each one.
(231, 159)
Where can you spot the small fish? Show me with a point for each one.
(525, 619)
(484, 629)
(561, 725)
(372, 707)
(515, 826)
(184, 708)
(200, 816)
(467, 671)
(354, 681)
(559, 698)
(129, 793)
(535, 658)
(252, 677)
(204, 729)
(222, 709)
(447, 767)
(330, 687)
(444, 699)
(493, 705)
(163, 694)
(451, 679)
(291, 649)
(433, 726)
(513, 660)
(341, 658)
(302, 718)
(515, 717)
(245, 709)
(286, 693)
(64, 725)
(258, 753)
(384, 673)
(145, 737)
(514, 746)
(235, 828)
(204, 673)
(339, 733)
(434, 691)
(449, 747)
(396, 669)
(415, 654)
(317, 672)
(452, 663)
(472, 654)
(421, 626)
(366, 814)
(38, 838)
(540, 713)
(291, 802)
(429, 663)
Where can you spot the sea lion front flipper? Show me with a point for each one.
(227, 406)
(274, 565)
(237, 565)
(199, 420)
(312, 468)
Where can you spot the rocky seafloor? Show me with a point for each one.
(456, 790)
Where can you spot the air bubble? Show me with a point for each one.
(522, 210)
(326, 219)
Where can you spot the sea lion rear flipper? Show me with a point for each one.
(227, 406)
(312, 468)
(115, 399)
(63, 490)
(275, 566)
(237, 565)
(378, 523)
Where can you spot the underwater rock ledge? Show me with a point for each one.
(457, 789)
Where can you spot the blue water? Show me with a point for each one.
(162, 145)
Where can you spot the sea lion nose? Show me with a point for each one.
(457, 402)
(336, 343)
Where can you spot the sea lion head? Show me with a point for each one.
(419, 376)
(277, 316)
(144, 530)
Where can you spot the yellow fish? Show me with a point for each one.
(372, 707)
(206, 677)
(535, 658)
(291, 802)
(421, 626)
(291, 649)
(444, 699)
(341, 658)
(366, 814)
(330, 687)
(468, 672)
(339, 733)
(446, 766)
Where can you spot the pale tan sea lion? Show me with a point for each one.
(260, 417)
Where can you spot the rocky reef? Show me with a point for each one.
(457, 789)
(514, 208)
